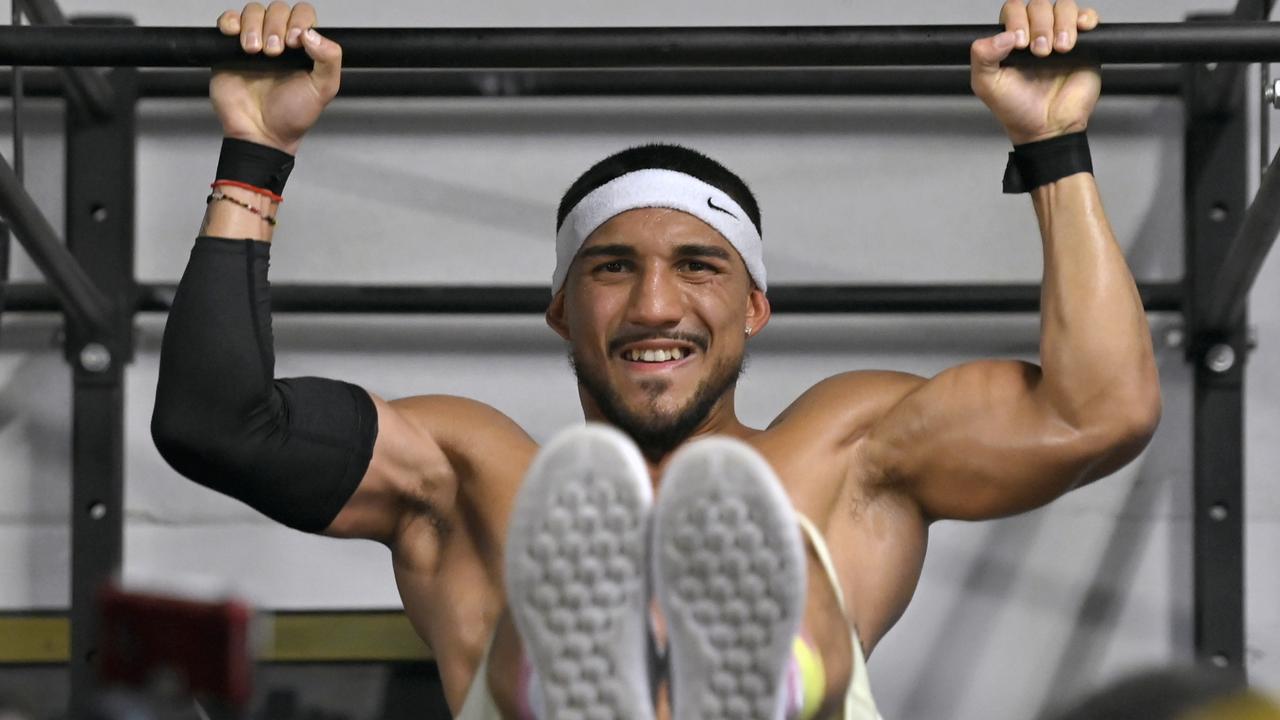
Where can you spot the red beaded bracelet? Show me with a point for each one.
(246, 186)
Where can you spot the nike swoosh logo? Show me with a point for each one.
(713, 206)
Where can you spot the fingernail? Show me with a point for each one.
(1063, 39)
(273, 42)
(1041, 44)
(311, 36)
(1004, 41)
(294, 34)
(251, 41)
(1022, 38)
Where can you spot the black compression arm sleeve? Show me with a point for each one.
(293, 449)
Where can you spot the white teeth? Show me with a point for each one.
(655, 356)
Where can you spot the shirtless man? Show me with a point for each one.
(870, 457)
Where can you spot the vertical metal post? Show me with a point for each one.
(1216, 160)
(100, 187)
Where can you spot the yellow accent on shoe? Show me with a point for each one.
(813, 677)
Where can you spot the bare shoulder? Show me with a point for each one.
(462, 426)
(846, 405)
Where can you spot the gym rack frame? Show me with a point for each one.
(90, 277)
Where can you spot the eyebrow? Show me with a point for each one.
(714, 251)
(608, 251)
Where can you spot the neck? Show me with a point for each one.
(722, 420)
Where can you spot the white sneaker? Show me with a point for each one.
(576, 575)
(729, 574)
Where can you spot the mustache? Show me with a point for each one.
(698, 340)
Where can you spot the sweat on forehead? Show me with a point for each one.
(660, 176)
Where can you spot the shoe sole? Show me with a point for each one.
(576, 575)
(729, 575)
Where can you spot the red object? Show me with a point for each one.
(246, 186)
(205, 644)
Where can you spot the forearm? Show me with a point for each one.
(293, 449)
(1095, 346)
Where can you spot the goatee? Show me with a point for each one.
(655, 432)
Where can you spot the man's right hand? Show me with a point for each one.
(275, 108)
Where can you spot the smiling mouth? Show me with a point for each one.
(656, 356)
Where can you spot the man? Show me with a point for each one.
(659, 286)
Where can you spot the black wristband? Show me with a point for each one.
(1042, 162)
(253, 164)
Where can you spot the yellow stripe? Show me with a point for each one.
(34, 639)
(291, 637)
(317, 637)
(813, 677)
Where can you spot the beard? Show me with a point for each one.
(654, 431)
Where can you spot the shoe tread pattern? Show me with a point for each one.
(576, 579)
(729, 570)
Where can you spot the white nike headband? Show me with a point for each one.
(656, 188)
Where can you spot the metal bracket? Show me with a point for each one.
(1216, 198)
(100, 186)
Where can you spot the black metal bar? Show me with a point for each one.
(1216, 187)
(85, 85)
(739, 47)
(1133, 81)
(1242, 259)
(100, 182)
(77, 293)
(527, 299)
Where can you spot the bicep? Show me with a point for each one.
(981, 440)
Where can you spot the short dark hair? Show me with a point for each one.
(660, 156)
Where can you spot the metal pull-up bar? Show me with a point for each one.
(1142, 43)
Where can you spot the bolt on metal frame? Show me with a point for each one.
(91, 279)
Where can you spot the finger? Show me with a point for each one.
(1040, 15)
(303, 17)
(1013, 16)
(273, 27)
(1065, 18)
(327, 55)
(1088, 20)
(986, 54)
(229, 22)
(251, 27)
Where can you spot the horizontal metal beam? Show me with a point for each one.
(1229, 291)
(728, 47)
(527, 299)
(1134, 81)
(70, 286)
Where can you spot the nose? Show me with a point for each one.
(656, 300)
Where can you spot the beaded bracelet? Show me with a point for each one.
(215, 196)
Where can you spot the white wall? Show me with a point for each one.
(1010, 617)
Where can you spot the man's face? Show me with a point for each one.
(655, 309)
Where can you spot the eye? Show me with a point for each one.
(613, 266)
(698, 266)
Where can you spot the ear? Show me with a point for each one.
(758, 310)
(555, 316)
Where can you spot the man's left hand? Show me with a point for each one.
(1037, 103)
